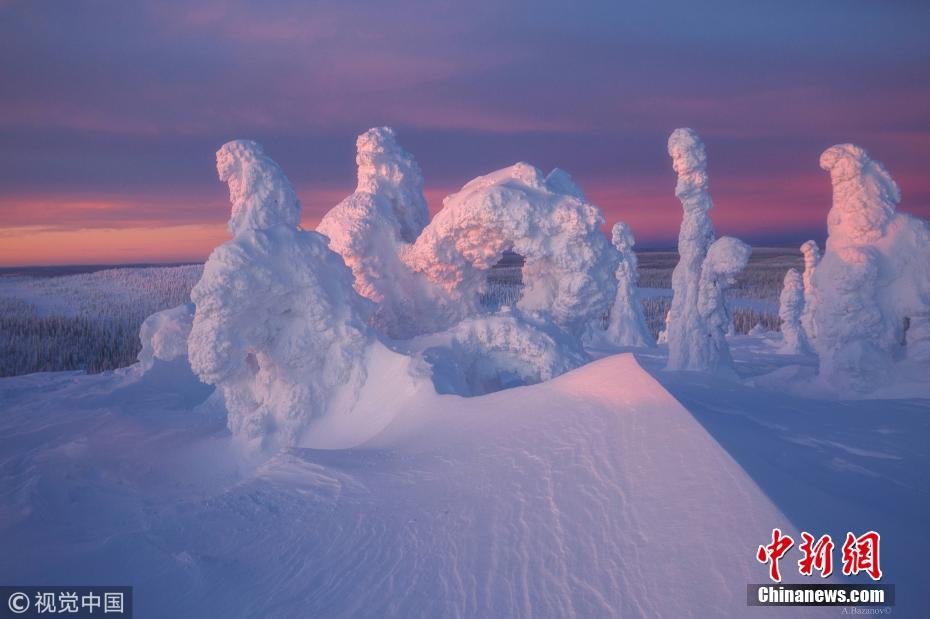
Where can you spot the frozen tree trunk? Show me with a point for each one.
(791, 307)
(811, 252)
(685, 330)
(626, 325)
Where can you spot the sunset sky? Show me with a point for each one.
(110, 112)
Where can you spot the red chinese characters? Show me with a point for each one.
(817, 555)
(860, 554)
(773, 552)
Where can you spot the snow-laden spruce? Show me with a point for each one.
(424, 280)
(278, 328)
(697, 321)
(371, 228)
(811, 252)
(568, 274)
(790, 310)
(725, 259)
(626, 325)
(164, 335)
(872, 287)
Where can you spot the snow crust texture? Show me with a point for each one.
(791, 306)
(697, 321)
(627, 325)
(278, 327)
(872, 287)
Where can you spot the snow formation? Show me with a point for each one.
(872, 287)
(371, 228)
(626, 325)
(426, 279)
(491, 353)
(791, 306)
(278, 327)
(697, 321)
(709, 351)
(811, 252)
(568, 273)
(387, 170)
(164, 335)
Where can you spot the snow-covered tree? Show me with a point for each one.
(278, 327)
(626, 325)
(872, 287)
(811, 252)
(164, 335)
(693, 343)
(385, 169)
(569, 267)
(791, 306)
(372, 228)
(725, 258)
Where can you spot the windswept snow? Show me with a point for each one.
(594, 494)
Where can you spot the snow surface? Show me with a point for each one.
(593, 494)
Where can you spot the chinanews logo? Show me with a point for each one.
(859, 554)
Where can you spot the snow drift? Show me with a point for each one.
(872, 287)
(554, 500)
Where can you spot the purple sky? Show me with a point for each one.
(110, 112)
